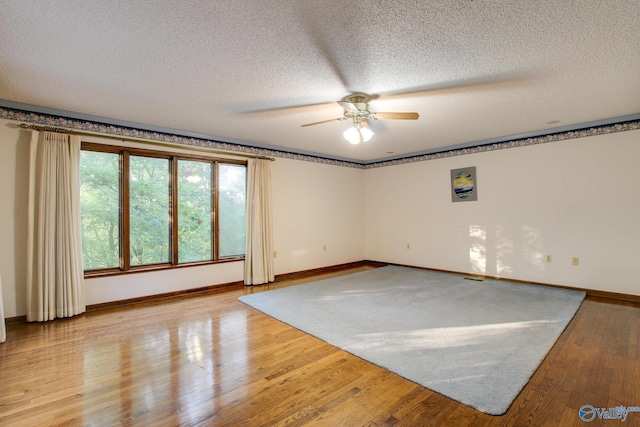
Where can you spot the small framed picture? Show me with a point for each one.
(464, 185)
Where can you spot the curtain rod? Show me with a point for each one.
(145, 141)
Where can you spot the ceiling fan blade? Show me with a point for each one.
(324, 121)
(395, 116)
(348, 106)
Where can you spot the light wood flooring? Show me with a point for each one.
(211, 360)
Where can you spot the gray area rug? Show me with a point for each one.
(477, 342)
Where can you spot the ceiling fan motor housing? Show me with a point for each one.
(361, 111)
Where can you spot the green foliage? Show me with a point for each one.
(195, 235)
(149, 210)
(232, 209)
(100, 195)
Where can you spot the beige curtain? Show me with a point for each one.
(258, 261)
(55, 278)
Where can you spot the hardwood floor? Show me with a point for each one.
(211, 360)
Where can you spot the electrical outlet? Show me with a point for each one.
(575, 261)
(548, 258)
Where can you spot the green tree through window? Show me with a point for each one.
(195, 237)
(232, 209)
(100, 196)
(149, 210)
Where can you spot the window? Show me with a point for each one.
(149, 234)
(100, 205)
(232, 209)
(195, 211)
(145, 209)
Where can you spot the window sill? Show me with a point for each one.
(156, 267)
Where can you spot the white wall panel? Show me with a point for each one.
(318, 215)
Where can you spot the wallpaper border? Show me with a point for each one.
(132, 132)
(514, 143)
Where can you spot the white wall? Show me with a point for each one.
(14, 175)
(315, 205)
(319, 221)
(575, 198)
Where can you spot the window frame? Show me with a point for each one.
(124, 154)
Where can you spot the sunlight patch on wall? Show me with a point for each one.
(532, 252)
(478, 249)
(504, 251)
(300, 252)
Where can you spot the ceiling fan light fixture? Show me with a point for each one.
(358, 133)
(352, 135)
(366, 133)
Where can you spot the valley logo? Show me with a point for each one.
(588, 413)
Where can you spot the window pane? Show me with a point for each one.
(100, 207)
(149, 210)
(232, 209)
(194, 211)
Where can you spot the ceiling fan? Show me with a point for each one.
(356, 108)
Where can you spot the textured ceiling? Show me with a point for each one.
(253, 71)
